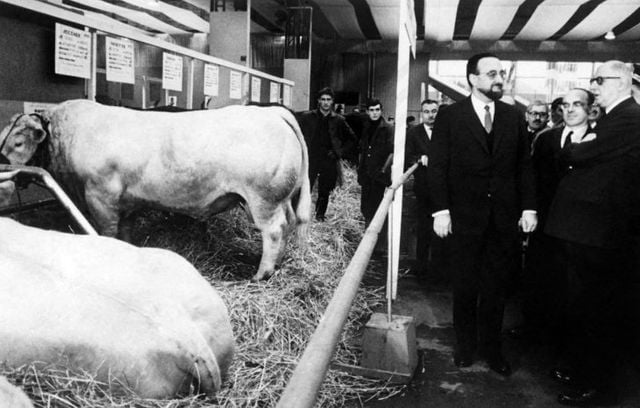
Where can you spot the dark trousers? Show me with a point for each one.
(326, 171)
(372, 193)
(481, 266)
(545, 285)
(424, 231)
(599, 314)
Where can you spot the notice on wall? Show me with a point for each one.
(73, 52)
(256, 83)
(37, 107)
(211, 79)
(119, 57)
(235, 85)
(171, 72)
(274, 92)
(286, 95)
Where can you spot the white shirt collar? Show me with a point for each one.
(616, 103)
(478, 107)
(428, 130)
(576, 136)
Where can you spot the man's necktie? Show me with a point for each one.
(567, 140)
(488, 126)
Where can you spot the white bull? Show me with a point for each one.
(197, 163)
(142, 317)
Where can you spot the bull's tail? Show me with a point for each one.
(302, 197)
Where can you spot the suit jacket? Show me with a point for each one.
(597, 201)
(548, 170)
(343, 140)
(416, 145)
(374, 153)
(476, 184)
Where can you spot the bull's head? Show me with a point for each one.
(21, 137)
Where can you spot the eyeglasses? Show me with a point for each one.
(600, 79)
(494, 74)
(538, 114)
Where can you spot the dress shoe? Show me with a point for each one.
(500, 365)
(588, 397)
(462, 360)
(563, 376)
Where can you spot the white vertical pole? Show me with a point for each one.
(190, 73)
(402, 95)
(92, 81)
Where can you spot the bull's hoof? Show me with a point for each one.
(264, 275)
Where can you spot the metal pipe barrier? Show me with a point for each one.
(48, 181)
(304, 384)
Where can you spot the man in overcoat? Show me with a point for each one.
(482, 187)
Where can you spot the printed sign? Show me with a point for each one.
(211, 76)
(286, 95)
(73, 52)
(171, 72)
(256, 83)
(120, 66)
(274, 92)
(235, 85)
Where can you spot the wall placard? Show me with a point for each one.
(235, 85)
(119, 57)
(274, 92)
(73, 52)
(211, 79)
(171, 72)
(286, 95)
(256, 83)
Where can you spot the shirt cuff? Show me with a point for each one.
(534, 212)
(441, 212)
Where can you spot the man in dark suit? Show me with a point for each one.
(595, 211)
(417, 150)
(537, 116)
(329, 138)
(482, 186)
(545, 274)
(374, 169)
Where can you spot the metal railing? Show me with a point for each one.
(304, 385)
(50, 184)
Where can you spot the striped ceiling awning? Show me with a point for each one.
(438, 21)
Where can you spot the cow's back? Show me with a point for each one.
(182, 161)
(143, 314)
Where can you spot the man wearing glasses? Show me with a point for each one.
(537, 114)
(595, 211)
(482, 186)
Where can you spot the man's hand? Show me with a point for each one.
(442, 225)
(529, 221)
(424, 160)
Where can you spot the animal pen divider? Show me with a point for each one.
(307, 378)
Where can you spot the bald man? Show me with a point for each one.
(594, 211)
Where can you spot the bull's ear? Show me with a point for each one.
(39, 135)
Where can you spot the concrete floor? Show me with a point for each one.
(438, 383)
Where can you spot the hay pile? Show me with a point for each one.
(272, 320)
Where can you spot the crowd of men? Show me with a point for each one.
(563, 176)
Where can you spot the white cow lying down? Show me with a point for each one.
(12, 396)
(142, 316)
(117, 160)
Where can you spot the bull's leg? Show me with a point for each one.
(272, 222)
(104, 212)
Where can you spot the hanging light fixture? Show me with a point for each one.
(610, 35)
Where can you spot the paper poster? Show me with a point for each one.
(235, 85)
(286, 95)
(72, 52)
(274, 92)
(211, 76)
(171, 72)
(119, 60)
(256, 83)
